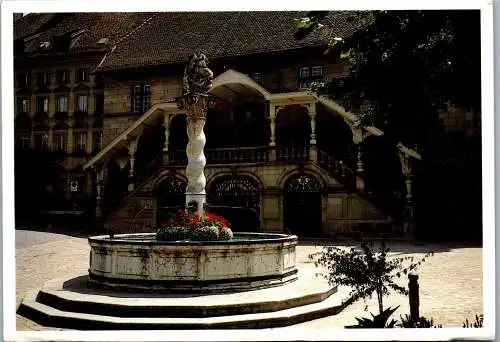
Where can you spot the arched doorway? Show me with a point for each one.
(227, 192)
(302, 205)
(169, 193)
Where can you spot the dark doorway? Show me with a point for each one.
(170, 193)
(228, 192)
(302, 206)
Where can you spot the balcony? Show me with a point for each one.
(244, 155)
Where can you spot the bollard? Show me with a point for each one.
(413, 296)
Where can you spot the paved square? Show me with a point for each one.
(450, 281)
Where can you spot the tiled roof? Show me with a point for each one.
(97, 25)
(171, 37)
(150, 39)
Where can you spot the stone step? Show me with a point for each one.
(73, 294)
(48, 316)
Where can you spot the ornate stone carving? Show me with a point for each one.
(196, 83)
(197, 76)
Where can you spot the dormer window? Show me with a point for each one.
(103, 41)
(82, 75)
(62, 77)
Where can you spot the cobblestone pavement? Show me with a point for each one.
(450, 281)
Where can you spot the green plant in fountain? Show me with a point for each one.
(366, 271)
(206, 227)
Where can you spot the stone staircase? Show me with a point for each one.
(70, 304)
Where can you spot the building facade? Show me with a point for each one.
(109, 108)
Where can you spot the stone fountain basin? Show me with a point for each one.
(139, 262)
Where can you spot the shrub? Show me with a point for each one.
(478, 323)
(225, 234)
(207, 233)
(378, 321)
(421, 323)
(365, 271)
(173, 233)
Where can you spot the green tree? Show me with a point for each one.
(405, 66)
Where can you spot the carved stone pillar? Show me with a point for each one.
(312, 115)
(196, 83)
(358, 137)
(404, 159)
(99, 185)
(272, 124)
(195, 106)
(166, 124)
(131, 152)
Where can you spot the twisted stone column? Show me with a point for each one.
(195, 106)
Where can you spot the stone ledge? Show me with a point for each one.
(48, 316)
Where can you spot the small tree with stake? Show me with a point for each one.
(366, 271)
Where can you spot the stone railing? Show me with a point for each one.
(292, 153)
(237, 155)
(389, 204)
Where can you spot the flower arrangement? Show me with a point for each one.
(195, 227)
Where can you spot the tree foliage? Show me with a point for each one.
(405, 66)
(366, 271)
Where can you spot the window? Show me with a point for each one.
(258, 77)
(304, 73)
(23, 105)
(309, 74)
(82, 103)
(43, 79)
(62, 104)
(23, 79)
(42, 104)
(141, 100)
(62, 76)
(97, 141)
(82, 75)
(81, 141)
(23, 141)
(59, 142)
(41, 141)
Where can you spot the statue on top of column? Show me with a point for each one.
(197, 76)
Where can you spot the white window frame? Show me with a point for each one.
(97, 141)
(60, 142)
(146, 98)
(83, 75)
(24, 141)
(317, 71)
(25, 105)
(304, 72)
(62, 104)
(81, 141)
(82, 103)
(45, 104)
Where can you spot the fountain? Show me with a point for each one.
(141, 261)
(148, 281)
